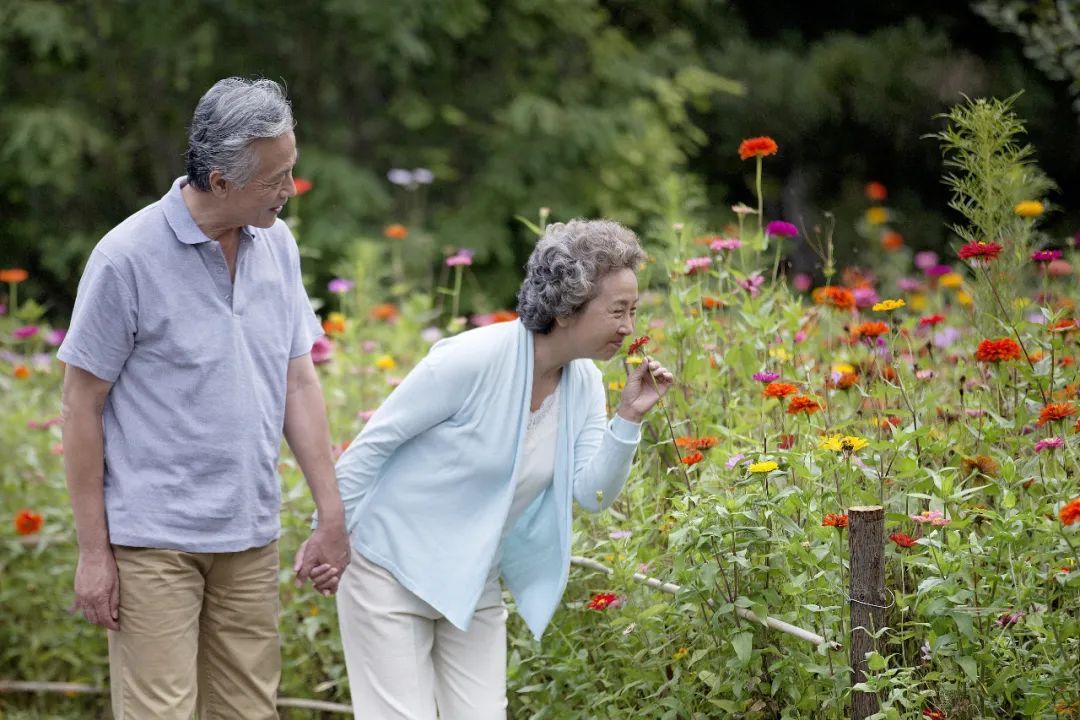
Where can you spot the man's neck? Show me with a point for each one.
(207, 215)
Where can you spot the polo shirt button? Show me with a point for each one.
(228, 297)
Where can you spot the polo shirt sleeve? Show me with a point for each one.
(306, 328)
(603, 451)
(103, 323)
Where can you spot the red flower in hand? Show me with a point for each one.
(636, 346)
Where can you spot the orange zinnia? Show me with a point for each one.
(757, 147)
(875, 191)
(892, 240)
(801, 403)
(1055, 412)
(693, 458)
(838, 297)
(13, 275)
(870, 329)
(998, 350)
(397, 231)
(780, 389)
(843, 382)
(384, 311)
(28, 522)
(835, 520)
(1070, 513)
(302, 186)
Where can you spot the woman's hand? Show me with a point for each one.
(645, 385)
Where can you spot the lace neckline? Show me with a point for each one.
(537, 416)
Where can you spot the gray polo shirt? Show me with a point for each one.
(194, 420)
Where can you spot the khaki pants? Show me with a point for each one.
(407, 662)
(196, 629)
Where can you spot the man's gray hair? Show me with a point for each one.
(229, 117)
(565, 268)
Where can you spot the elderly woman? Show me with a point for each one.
(467, 472)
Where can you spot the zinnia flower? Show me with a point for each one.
(764, 467)
(697, 264)
(693, 458)
(980, 253)
(779, 390)
(870, 329)
(1055, 412)
(397, 231)
(875, 191)
(25, 332)
(603, 601)
(751, 284)
(757, 147)
(340, 286)
(835, 520)
(902, 540)
(982, 464)
(933, 517)
(1045, 256)
(846, 444)
(1029, 208)
(13, 275)
(385, 362)
(302, 186)
(28, 522)
(998, 350)
(838, 297)
(462, 257)
(780, 228)
(1007, 620)
(933, 714)
(802, 404)
(21, 372)
(386, 312)
(766, 377)
(321, 350)
(725, 244)
(1052, 443)
(334, 324)
(637, 345)
(931, 320)
(1070, 511)
(891, 240)
(888, 305)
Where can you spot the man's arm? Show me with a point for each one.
(97, 587)
(325, 554)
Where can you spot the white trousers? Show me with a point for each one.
(407, 662)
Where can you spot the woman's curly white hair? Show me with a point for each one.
(565, 268)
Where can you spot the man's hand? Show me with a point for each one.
(322, 558)
(97, 589)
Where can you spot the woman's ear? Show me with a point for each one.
(562, 321)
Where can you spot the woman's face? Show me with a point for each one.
(597, 330)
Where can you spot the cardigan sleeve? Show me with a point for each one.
(436, 389)
(603, 451)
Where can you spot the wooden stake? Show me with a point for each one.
(866, 540)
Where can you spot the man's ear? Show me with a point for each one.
(218, 184)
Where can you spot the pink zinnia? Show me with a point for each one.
(926, 259)
(938, 270)
(321, 350)
(766, 377)
(461, 257)
(695, 264)
(26, 331)
(802, 282)
(1053, 443)
(934, 517)
(865, 296)
(725, 244)
(56, 336)
(1046, 255)
(751, 284)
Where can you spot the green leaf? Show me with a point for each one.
(743, 642)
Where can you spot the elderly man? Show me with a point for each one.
(188, 354)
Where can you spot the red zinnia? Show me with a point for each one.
(1070, 513)
(302, 186)
(1064, 326)
(834, 520)
(931, 320)
(875, 191)
(28, 522)
(780, 389)
(801, 403)
(603, 601)
(933, 714)
(637, 345)
(1055, 412)
(980, 251)
(998, 350)
(757, 147)
(902, 540)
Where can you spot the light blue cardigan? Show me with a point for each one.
(427, 484)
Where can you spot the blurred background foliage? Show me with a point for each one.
(630, 110)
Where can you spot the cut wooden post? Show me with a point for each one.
(866, 541)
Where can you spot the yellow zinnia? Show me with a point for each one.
(877, 215)
(844, 443)
(843, 368)
(918, 302)
(952, 280)
(963, 298)
(888, 305)
(633, 360)
(1029, 208)
(764, 467)
(385, 362)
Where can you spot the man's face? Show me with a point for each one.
(261, 201)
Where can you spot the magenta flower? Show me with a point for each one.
(693, 265)
(926, 259)
(1052, 443)
(938, 270)
(865, 296)
(725, 244)
(781, 229)
(340, 286)
(1009, 619)
(26, 331)
(56, 336)
(933, 517)
(1046, 255)
(907, 284)
(462, 257)
(321, 350)
(751, 284)
(802, 282)
(766, 377)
